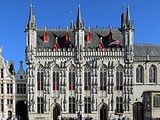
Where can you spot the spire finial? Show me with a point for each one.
(21, 62)
(122, 8)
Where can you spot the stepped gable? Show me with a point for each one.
(96, 36)
(144, 49)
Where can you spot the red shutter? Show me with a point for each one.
(88, 37)
(67, 36)
(45, 37)
(101, 46)
(56, 46)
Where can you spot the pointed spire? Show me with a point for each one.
(123, 17)
(128, 16)
(31, 20)
(31, 15)
(79, 23)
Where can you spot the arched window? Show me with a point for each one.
(103, 78)
(87, 105)
(139, 74)
(40, 107)
(72, 78)
(156, 101)
(87, 80)
(119, 77)
(72, 105)
(40, 78)
(152, 74)
(119, 105)
(56, 78)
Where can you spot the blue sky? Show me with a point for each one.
(54, 13)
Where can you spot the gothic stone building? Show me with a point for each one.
(91, 73)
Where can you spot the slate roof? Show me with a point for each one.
(144, 49)
(96, 34)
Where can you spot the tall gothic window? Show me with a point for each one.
(87, 105)
(103, 78)
(139, 74)
(87, 77)
(72, 78)
(2, 105)
(40, 78)
(56, 80)
(119, 105)
(72, 107)
(152, 74)
(40, 107)
(87, 80)
(156, 101)
(119, 77)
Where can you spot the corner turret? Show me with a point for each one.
(79, 37)
(127, 29)
(31, 35)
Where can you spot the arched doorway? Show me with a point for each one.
(138, 111)
(104, 112)
(56, 111)
(21, 110)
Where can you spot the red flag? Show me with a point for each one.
(88, 37)
(67, 36)
(56, 46)
(45, 36)
(116, 42)
(101, 46)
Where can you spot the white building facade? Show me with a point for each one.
(12, 90)
(98, 74)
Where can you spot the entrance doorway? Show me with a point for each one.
(21, 110)
(56, 112)
(104, 112)
(138, 111)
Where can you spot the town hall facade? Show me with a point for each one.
(91, 73)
